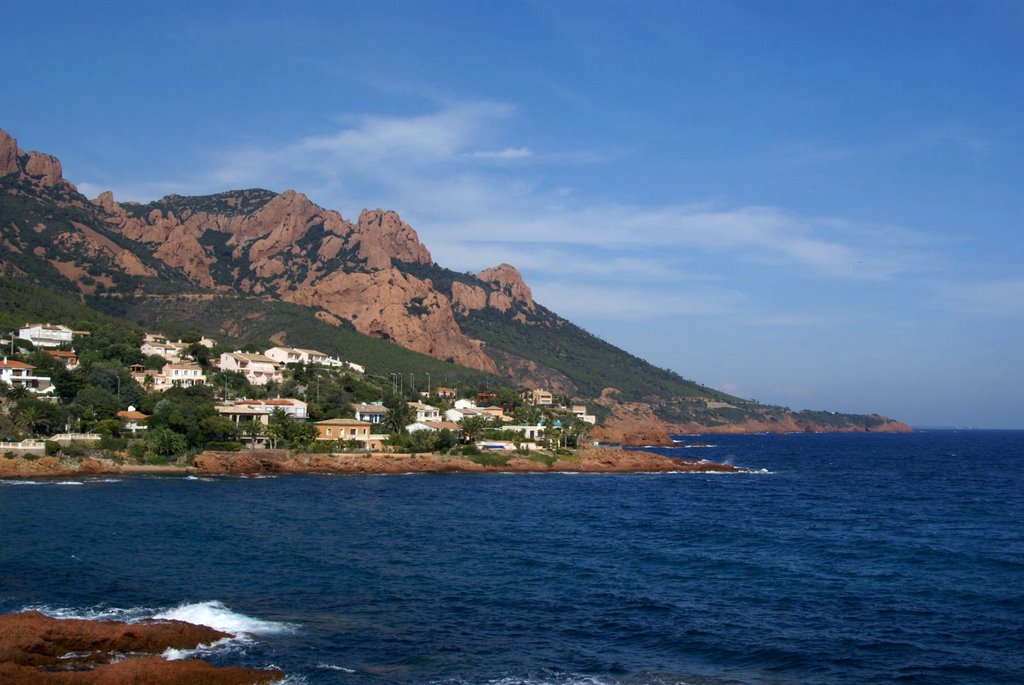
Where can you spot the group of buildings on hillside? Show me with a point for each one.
(181, 370)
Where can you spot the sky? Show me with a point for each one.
(814, 204)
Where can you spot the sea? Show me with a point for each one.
(857, 558)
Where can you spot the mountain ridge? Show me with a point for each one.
(372, 274)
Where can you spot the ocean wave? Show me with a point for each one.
(332, 667)
(212, 614)
(216, 615)
(172, 654)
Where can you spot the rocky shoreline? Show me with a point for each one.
(35, 648)
(591, 460)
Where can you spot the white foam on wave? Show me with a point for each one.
(70, 482)
(215, 615)
(97, 613)
(12, 481)
(332, 667)
(172, 654)
(212, 614)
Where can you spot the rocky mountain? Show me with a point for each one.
(372, 275)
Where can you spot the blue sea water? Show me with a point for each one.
(851, 559)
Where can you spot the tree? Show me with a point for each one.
(165, 442)
(279, 426)
(444, 440)
(303, 435)
(472, 427)
(399, 415)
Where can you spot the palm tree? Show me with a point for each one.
(472, 427)
(29, 416)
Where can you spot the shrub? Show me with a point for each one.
(137, 451)
(51, 448)
(490, 459)
(224, 446)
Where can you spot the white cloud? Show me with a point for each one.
(478, 199)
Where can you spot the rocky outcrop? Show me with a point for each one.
(41, 168)
(35, 648)
(631, 423)
(8, 154)
(398, 307)
(636, 423)
(45, 169)
(467, 298)
(591, 460)
(383, 236)
(509, 288)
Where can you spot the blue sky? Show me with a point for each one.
(816, 204)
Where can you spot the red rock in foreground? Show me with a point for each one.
(35, 648)
(593, 460)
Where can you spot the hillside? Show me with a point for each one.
(258, 265)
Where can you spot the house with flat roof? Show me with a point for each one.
(46, 334)
(538, 397)
(241, 411)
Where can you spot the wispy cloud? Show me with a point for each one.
(477, 198)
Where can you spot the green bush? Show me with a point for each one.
(51, 448)
(469, 450)
(224, 446)
(490, 459)
(137, 451)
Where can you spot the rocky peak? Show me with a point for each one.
(382, 235)
(8, 154)
(44, 168)
(509, 287)
(107, 203)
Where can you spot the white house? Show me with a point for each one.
(425, 412)
(171, 351)
(257, 368)
(529, 432)
(19, 374)
(46, 334)
(134, 420)
(298, 355)
(371, 413)
(432, 426)
(179, 375)
(260, 410)
(457, 415)
(580, 412)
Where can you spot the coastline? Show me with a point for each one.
(590, 460)
(35, 648)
